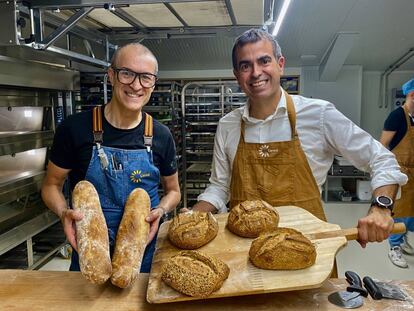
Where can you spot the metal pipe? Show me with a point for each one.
(65, 27)
(384, 76)
(65, 4)
(79, 57)
(32, 23)
(105, 88)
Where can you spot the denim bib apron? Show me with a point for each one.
(115, 173)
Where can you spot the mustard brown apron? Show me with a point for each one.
(404, 152)
(276, 172)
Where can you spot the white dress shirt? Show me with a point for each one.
(323, 132)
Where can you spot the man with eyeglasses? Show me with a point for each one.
(117, 148)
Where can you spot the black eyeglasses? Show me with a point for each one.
(126, 76)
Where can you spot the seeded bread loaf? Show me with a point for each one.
(192, 230)
(282, 249)
(131, 239)
(91, 234)
(194, 273)
(250, 218)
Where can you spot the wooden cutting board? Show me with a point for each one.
(244, 278)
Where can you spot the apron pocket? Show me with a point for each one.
(272, 182)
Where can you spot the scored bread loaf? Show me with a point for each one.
(250, 218)
(282, 249)
(192, 230)
(91, 234)
(194, 273)
(131, 239)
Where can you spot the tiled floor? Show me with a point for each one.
(372, 261)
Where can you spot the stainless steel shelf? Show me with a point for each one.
(23, 98)
(192, 133)
(21, 233)
(201, 123)
(14, 185)
(18, 141)
(203, 104)
(157, 108)
(204, 114)
(199, 168)
(172, 92)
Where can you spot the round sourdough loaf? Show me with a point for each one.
(91, 234)
(250, 218)
(192, 230)
(194, 273)
(282, 249)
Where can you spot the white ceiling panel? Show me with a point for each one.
(153, 15)
(192, 54)
(107, 18)
(209, 13)
(248, 12)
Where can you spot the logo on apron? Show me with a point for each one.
(137, 176)
(265, 151)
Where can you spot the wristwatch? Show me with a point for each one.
(383, 201)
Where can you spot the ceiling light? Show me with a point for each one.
(280, 18)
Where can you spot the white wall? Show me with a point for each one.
(345, 93)
(372, 116)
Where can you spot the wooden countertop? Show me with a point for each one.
(52, 290)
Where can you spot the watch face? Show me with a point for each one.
(384, 200)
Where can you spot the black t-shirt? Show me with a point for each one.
(73, 143)
(396, 123)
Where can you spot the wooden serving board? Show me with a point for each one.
(244, 278)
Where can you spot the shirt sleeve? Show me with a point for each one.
(168, 165)
(360, 148)
(62, 151)
(217, 193)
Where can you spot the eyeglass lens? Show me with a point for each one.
(128, 77)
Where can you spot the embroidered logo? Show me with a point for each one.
(137, 176)
(265, 151)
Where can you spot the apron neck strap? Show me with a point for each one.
(407, 117)
(97, 125)
(148, 132)
(98, 130)
(291, 114)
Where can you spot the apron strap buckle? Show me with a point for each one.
(148, 142)
(98, 137)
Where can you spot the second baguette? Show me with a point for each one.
(131, 239)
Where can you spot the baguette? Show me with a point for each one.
(91, 234)
(131, 239)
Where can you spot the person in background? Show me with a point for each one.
(127, 151)
(279, 147)
(398, 136)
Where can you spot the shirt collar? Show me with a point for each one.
(280, 110)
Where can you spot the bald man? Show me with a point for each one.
(131, 150)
